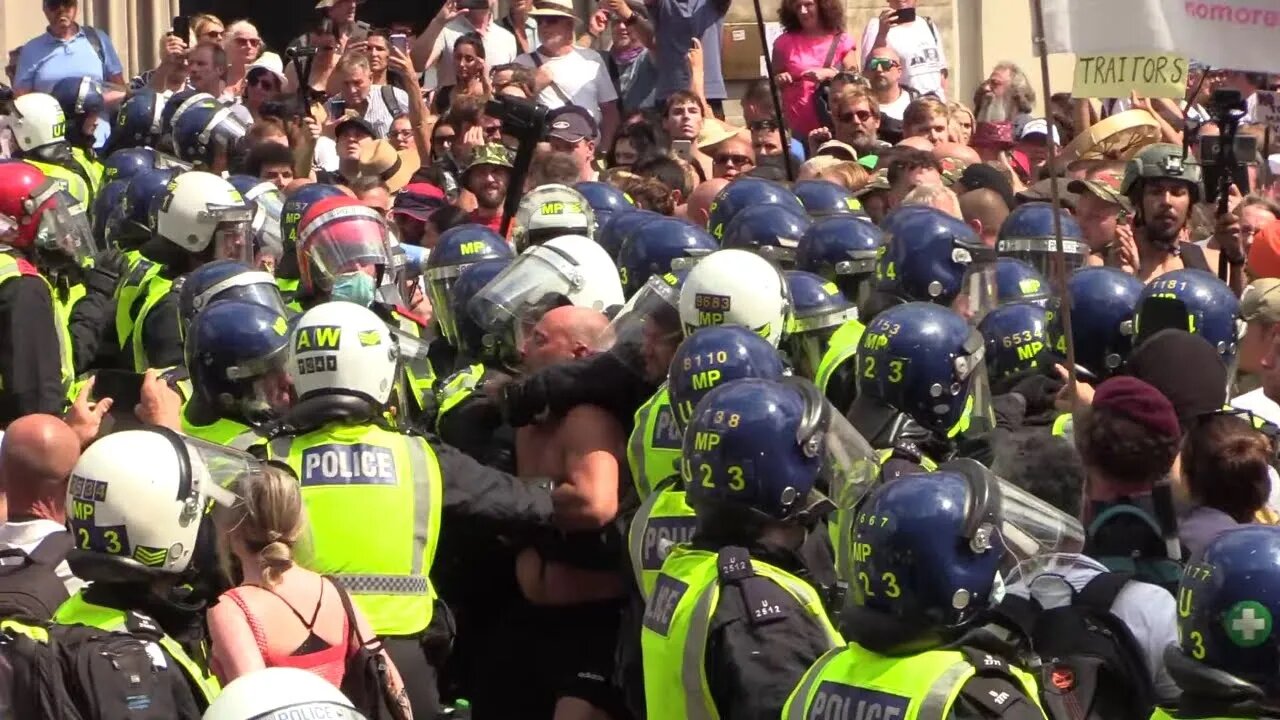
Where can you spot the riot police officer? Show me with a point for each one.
(605, 200)
(619, 227)
(1197, 302)
(268, 204)
(139, 122)
(1018, 282)
(772, 231)
(551, 211)
(1028, 235)
(456, 249)
(295, 206)
(823, 198)
(935, 258)
(744, 193)
(1017, 344)
(208, 135)
(84, 105)
(659, 247)
(818, 311)
(128, 229)
(39, 128)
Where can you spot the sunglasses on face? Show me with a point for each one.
(213, 34)
(734, 159)
(859, 115)
(882, 64)
(249, 42)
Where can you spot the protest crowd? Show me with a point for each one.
(490, 365)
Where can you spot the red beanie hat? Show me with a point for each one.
(1139, 401)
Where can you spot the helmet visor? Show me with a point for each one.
(266, 223)
(350, 240)
(646, 332)
(232, 240)
(1032, 528)
(538, 280)
(215, 470)
(64, 231)
(977, 295)
(255, 287)
(1039, 253)
(849, 466)
(971, 367)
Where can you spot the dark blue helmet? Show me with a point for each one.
(223, 280)
(1018, 282)
(1103, 301)
(1228, 602)
(177, 104)
(462, 332)
(715, 355)
(1195, 301)
(927, 548)
(1017, 343)
(614, 233)
(138, 122)
(756, 445)
(295, 206)
(1027, 234)
(655, 248)
(823, 197)
(230, 346)
(79, 97)
(132, 218)
(931, 256)
(206, 129)
(768, 230)
(925, 361)
(104, 204)
(124, 164)
(818, 309)
(457, 248)
(743, 193)
(843, 249)
(604, 199)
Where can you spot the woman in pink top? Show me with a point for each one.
(281, 615)
(810, 27)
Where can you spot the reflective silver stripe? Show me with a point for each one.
(384, 584)
(935, 705)
(245, 440)
(636, 447)
(420, 467)
(800, 697)
(635, 539)
(695, 647)
(280, 447)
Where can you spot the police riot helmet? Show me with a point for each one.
(341, 349)
(203, 214)
(457, 326)
(1018, 282)
(140, 521)
(644, 334)
(268, 207)
(339, 238)
(206, 130)
(36, 120)
(614, 233)
(177, 104)
(1195, 301)
(1017, 343)
(818, 309)
(281, 692)
(226, 280)
(842, 249)
(138, 122)
(1160, 161)
(130, 221)
(1028, 235)
(926, 361)
(236, 352)
(109, 197)
(1103, 301)
(736, 287)
(605, 199)
(457, 248)
(930, 256)
(80, 98)
(770, 230)
(550, 211)
(743, 193)
(295, 205)
(713, 356)
(822, 198)
(125, 163)
(1227, 604)
(772, 449)
(659, 247)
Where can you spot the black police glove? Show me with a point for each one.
(523, 401)
(105, 274)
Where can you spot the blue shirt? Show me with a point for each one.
(45, 60)
(675, 24)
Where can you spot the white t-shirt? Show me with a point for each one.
(920, 47)
(581, 76)
(27, 535)
(1148, 610)
(499, 48)
(897, 107)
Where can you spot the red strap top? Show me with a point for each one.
(329, 663)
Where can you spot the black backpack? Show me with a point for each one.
(29, 582)
(1092, 667)
(367, 680)
(1127, 539)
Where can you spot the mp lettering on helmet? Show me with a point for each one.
(320, 337)
(662, 534)
(836, 701)
(359, 464)
(661, 608)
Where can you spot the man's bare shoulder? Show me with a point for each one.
(590, 421)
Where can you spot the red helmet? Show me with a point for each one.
(36, 212)
(339, 235)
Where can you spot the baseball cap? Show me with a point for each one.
(837, 149)
(879, 181)
(1105, 184)
(1033, 127)
(983, 175)
(418, 201)
(358, 122)
(1264, 253)
(571, 124)
(491, 154)
(1261, 301)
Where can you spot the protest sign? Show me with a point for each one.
(1114, 75)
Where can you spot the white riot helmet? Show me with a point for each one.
(735, 287)
(281, 692)
(37, 120)
(568, 270)
(551, 211)
(199, 210)
(138, 504)
(341, 348)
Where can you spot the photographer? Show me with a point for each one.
(917, 42)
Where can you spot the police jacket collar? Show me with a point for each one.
(1208, 692)
(782, 558)
(312, 413)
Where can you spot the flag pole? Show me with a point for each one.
(773, 91)
(1061, 278)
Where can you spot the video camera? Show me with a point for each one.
(1225, 158)
(520, 118)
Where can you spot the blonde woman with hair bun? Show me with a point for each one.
(281, 614)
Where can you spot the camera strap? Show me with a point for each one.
(560, 93)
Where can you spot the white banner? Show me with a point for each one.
(1235, 34)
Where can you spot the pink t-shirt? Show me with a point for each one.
(795, 52)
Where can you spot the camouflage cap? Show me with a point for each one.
(491, 154)
(1105, 185)
(879, 181)
(952, 169)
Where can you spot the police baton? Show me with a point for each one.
(773, 91)
(1061, 279)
